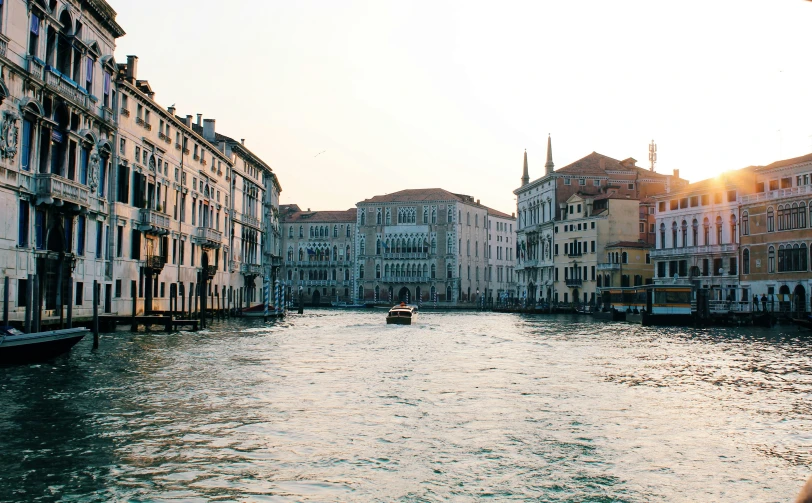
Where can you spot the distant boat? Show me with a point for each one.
(17, 347)
(257, 311)
(402, 314)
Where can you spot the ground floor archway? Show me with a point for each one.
(316, 298)
(799, 301)
(404, 295)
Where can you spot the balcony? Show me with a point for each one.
(164, 137)
(210, 271)
(776, 194)
(400, 256)
(250, 269)
(125, 112)
(695, 250)
(141, 122)
(53, 189)
(276, 261)
(153, 222)
(155, 263)
(177, 146)
(318, 282)
(246, 219)
(35, 66)
(526, 264)
(209, 238)
(3, 46)
(106, 114)
(574, 282)
(608, 266)
(65, 87)
(403, 279)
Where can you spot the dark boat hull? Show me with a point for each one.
(612, 315)
(31, 350)
(398, 320)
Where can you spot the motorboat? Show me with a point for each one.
(402, 314)
(18, 347)
(346, 305)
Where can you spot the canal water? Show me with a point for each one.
(338, 406)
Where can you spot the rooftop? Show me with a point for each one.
(288, 216)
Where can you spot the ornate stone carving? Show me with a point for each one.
(8, 136)
(94, 171)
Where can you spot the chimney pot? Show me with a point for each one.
(208, 130)
(676, 173)
(199, 119)
(132, 68)
(171, 110)
(242, 141)
(188, 121)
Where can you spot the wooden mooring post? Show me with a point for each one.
(95, 314)
(29, 303)
(5, 301)
(70, 303)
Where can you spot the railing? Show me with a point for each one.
(154, 219)
(402, 255)
(54, 186)
(27, 181)
(574, 281)
(250, 269)
(35, 66)
(726, 306)
(70, 91)
(574, 254)
(276, 261)
(528, 263)
(177, 146)
(197, 157)
(125, 112)
(141, 122)
(3, 46)
(210, 271)
(318, 282)
(163, 137)
(106, 113)
(776, 194)
(155, 262)
(315, 263)
(209, 234)
(404, 279)
(695, 250)
(608, 266)
(246, 219)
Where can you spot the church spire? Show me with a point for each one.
(549, 165)
(525, 173)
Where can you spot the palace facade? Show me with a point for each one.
(544, 207)
(108, 187)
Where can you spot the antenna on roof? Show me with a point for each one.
(652, 154)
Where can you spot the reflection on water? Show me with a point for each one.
(338, 406)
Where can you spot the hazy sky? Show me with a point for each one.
(416, 94)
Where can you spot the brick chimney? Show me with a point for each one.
(132, 68)
(208, 130)
(676, 173)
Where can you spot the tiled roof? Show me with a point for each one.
(415, 195)
(591, 166)
(427, 195)
(320, 216)
(786, 162)
(739, 177)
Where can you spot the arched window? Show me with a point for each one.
(361, 272)
(771, 259)
(449, 271)
(695, 233)
(684, 230)
(733, 233)
(378, 217)
(363, 247)
(448, 297)
(770, 220)
(802, 215)
(363, 218)
(433, 246)
(718, 230)
(673, 234)
(347, 255)
(378, 246)
(290, 254)
(624, 258)
(388, 216)
(746, 261)
(290, 231)
(450, 214)
(434, 215)
(433, 271)
(335, 231)
(425, 215)
(803, 264)
(378, 271)
(662, 235)
(301, 231)
(348, 230)
(335, 252)
(706, 236)
(360, 293)
(467, 218)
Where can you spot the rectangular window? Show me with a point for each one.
(25, 153)
(119, 241)
(117, 293)
(80, 288)
(22, 292)
(80, 235)
(661, 206)
(24, 223)
(135, 249)
(39, 228)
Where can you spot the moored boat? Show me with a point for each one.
(402, 314)
(17, 347)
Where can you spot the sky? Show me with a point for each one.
(350, 99)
